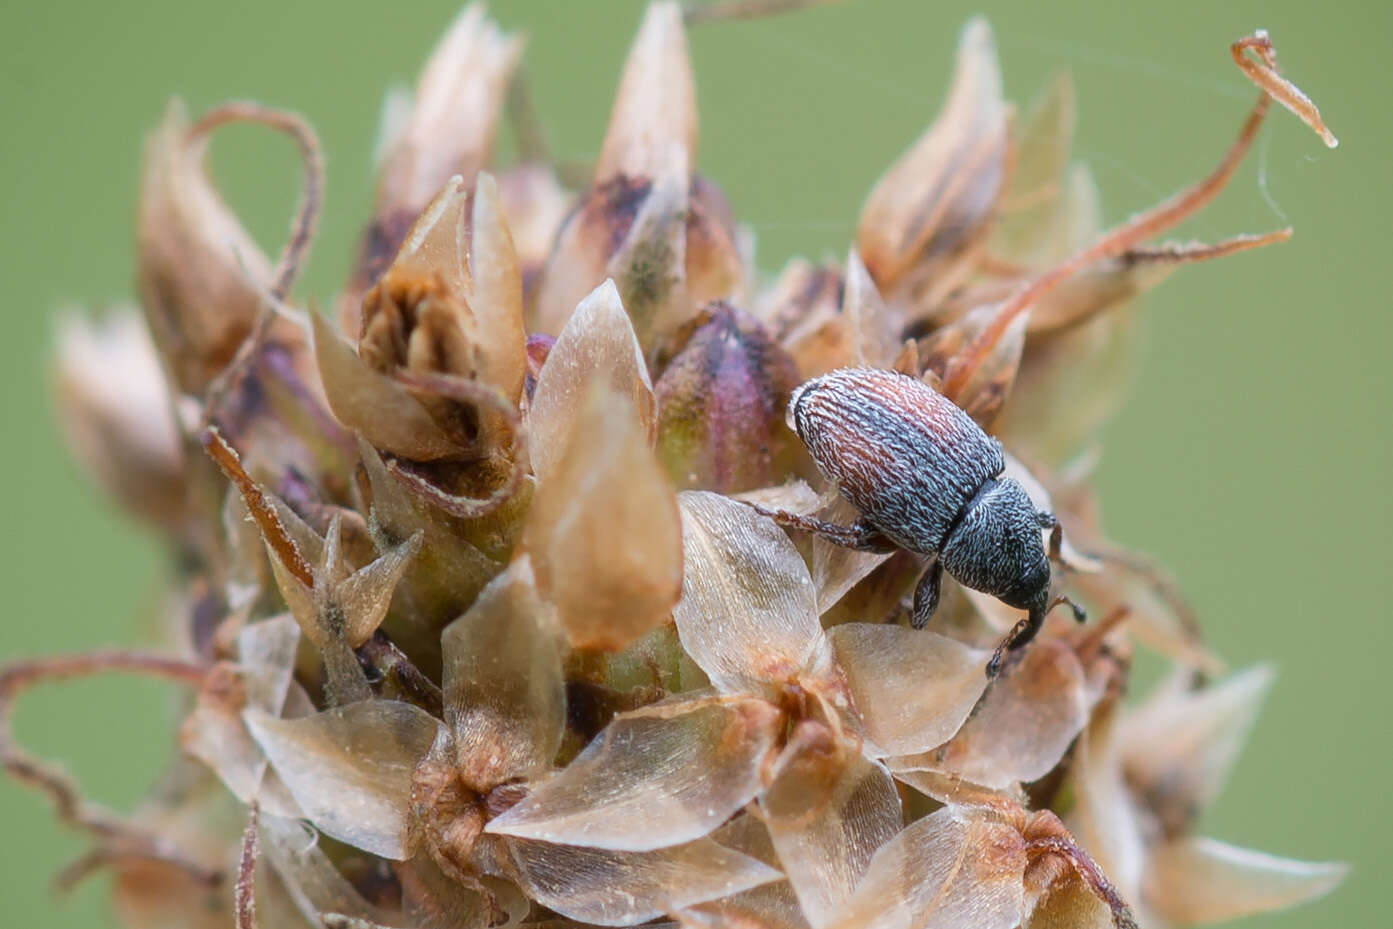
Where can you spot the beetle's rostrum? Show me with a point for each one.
(925, 478)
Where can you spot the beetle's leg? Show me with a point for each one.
(1047, 520)
(926, 595)
(859, 535)
(1021, 633)
(1019, 636)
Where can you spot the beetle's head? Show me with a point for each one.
(998, 548)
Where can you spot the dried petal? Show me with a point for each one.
(721, 403)
(912, 688)
(535, 206)
(937, 196)
(655, 114)
(826, 839)
(873, 327)
(984, 392)
(1098, 289)
(649, 268)
(803, 310)
(656, 777)
(1075, 379)
(635, 223)
(497, 297)
(350, 768)
(1024, 724)
(374, 405)
(1179, 746)
(598, 339)
(452, 122)
(1044, 139)
(954, 868)
(200, 273)
(1192, 881)
(214, 732)
(505, 700)
(117, 413)
(611, 888)
(434, 247)
(364, 596)
(603, 530)
(747, 614)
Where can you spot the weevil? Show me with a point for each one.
(924, 477)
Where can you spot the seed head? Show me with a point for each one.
(487, 621)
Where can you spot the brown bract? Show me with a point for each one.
(932, 205)
(449, 306)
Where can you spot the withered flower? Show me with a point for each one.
(488, 625)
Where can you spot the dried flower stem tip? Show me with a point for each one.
(1263, 72)
(1158, 219)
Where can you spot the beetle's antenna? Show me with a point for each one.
(1080, 615)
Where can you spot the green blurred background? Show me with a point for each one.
(1253, 458)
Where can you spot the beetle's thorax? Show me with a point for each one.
(997, 546)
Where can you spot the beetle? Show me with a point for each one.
(925, 477)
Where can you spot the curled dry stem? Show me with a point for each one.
(120, 839)
(262, 512)
(1139, 228)
(302, 227)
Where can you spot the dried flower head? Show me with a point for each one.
(485, 623)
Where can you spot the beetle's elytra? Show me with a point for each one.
(925, 478)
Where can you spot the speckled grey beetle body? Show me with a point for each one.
(925, 478)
